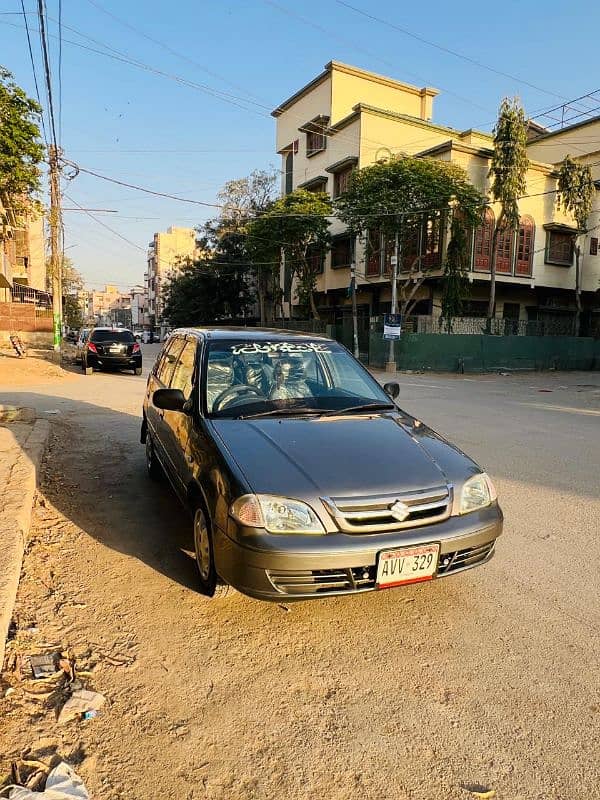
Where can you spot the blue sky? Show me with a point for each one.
(243, 59)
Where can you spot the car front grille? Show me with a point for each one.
(376, 514)
(355, 579)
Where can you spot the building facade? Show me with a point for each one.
(22, 251)
(347, 118)
(166, 252)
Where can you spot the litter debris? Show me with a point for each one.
(484, 795)
(283, 607)
(80, 703)
(43, 666)
(545, 390)
(62, 784)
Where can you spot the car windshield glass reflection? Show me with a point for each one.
(249, 377)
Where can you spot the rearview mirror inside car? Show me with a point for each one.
(169, 399)
(392, 389)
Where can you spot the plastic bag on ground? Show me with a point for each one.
(62, 784)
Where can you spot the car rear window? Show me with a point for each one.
(113, 336)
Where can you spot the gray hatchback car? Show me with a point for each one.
(302, 476)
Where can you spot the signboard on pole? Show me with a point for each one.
(392, 326)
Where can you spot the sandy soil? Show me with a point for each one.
(486, 681)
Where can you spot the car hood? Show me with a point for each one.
(339, 456)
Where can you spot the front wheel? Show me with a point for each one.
(205, 560)
(138, 370)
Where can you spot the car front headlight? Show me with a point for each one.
(276, 514)
(477, 492)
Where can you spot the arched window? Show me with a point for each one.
(524, 265)
(482, 245)
(505, 248)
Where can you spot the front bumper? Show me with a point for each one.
(290, 568)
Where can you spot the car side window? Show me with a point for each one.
(183, 373)
(167, 363)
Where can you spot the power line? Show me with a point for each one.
(144, 189)
(168, 48)
(445, 49)
(48, 76)
(35, 80)
(60, 69)
(357, 46)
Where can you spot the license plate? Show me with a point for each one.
(114, 348)
(407, 565)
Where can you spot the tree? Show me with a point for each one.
(455, 282)
(226, 236)
(575, 195)
(203, 292)
(296, 225)
(21, 150)
(400, 200)
(509, 171)
(72, 284)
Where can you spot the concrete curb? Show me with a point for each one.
(16, 520)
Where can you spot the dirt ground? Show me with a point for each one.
(485, 681)
(28, 371)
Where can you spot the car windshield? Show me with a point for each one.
(113, 336)
(248, 377)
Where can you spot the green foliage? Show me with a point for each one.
(72, 311)
(509, 165)
(204, 293)
(392, 196)
(455, 283)
(508, 171)
(225, 237)
(298, 226)
(575, 191)
(21, 150)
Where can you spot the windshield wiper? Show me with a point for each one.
(364, 407)
(290, 411)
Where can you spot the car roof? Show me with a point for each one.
(250, 334)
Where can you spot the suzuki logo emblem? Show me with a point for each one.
(400, 511)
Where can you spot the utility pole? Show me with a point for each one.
(55, 254)
(392, 358)
(353, 293)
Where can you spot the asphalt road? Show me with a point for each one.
(485, 681)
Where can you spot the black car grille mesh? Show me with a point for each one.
(355, 579)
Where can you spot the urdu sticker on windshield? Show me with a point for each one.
(279, 347)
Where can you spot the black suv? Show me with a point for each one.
(111, 348)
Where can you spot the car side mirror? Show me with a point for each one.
(392, 389)
(169, 399)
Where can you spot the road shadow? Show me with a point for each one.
(95, 475)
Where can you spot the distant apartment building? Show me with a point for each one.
(100, 303)
(139, 306)
(165, 252)
(347, 118)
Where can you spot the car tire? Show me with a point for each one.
(138, 370)
(208, 579)
(153, 467)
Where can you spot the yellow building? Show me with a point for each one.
(347, 118)
(100, 304)
(165, 252)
